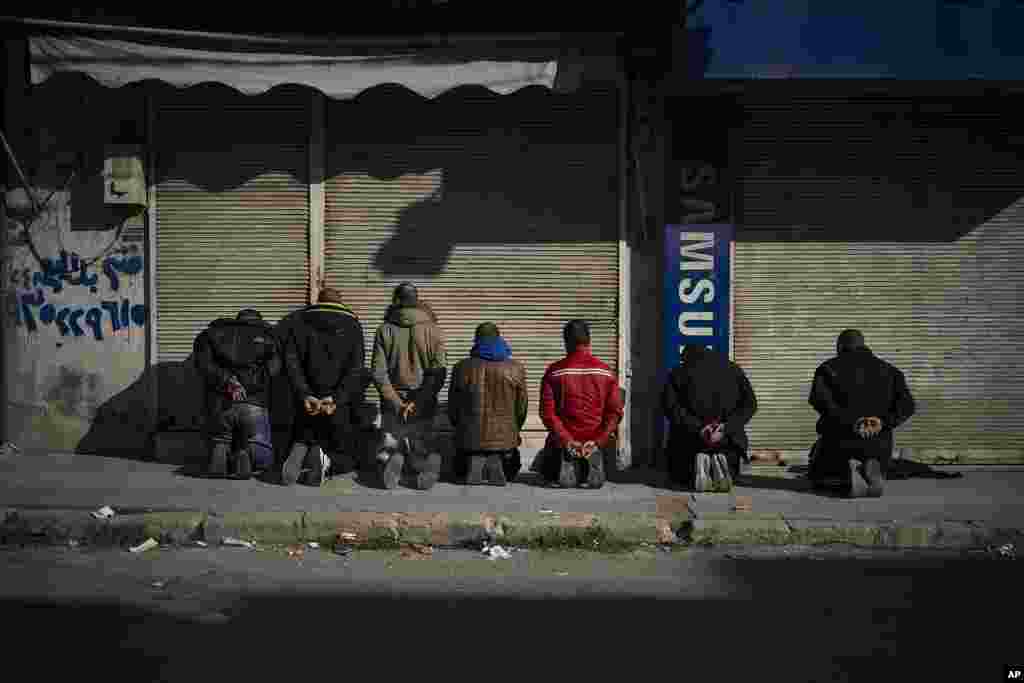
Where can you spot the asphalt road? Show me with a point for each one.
(702, 614)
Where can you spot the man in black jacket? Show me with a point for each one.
(237, 358)
(861, 399)
(708, 401)
(324, 355)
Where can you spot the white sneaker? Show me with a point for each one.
(702, 478)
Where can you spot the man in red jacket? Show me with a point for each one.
(581, 406)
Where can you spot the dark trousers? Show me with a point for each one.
(551, 465)
(682, 462)
(333, 433)
(830, 456)
(243, 425)
(511, 462)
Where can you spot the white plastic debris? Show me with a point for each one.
(496, 552)
(148, 544)
(105, 512)
(202, 544)
(159, 584)
(239, 543)
(546, 512)
(561, 573)
(313, 545)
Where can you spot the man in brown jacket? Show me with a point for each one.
(409, 369)
(487, 405)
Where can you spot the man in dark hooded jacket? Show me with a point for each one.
(487, 405)
(324, 354)
(409, 369)
(861, 399)
(708, 401)
(237, 357)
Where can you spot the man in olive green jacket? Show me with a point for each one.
(409, 370)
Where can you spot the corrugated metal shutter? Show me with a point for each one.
(233, 210)
(499, 208)
(898, 218)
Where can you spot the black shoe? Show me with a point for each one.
(293, 465)
(425, 480)
(391, 473)
(315, 467)
(475, 475)
(858, 487)
(218, 466)
(242, 464)
(875, 479)
(494, 472)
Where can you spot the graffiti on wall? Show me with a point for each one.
(32, 308)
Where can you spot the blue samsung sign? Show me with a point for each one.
(698, 300)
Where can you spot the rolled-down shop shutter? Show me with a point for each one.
(232, 215)
(890, 216)
(500, 208)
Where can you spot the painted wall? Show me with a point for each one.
(74, 301)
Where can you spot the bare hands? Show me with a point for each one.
(235, 390)
(328, 406)
(312, 405)
(868, 427)
(589, 448)
(712, 434)
(408, 410)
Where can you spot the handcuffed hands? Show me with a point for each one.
(312, 405)
(575, 449)
(328, 406)
(407, 410)
(589, 448)
(867, 427)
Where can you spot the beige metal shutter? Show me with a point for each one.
(498, 208)
(232, 208)
(878, 214)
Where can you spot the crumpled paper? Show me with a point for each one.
(105, 512)
(496, 552)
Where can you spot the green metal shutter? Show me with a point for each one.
(498, 208)
(853, 213)
(233, 211)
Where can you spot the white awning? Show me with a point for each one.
(116, 63)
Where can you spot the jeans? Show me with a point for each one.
(243, 425)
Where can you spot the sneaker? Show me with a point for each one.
(702, 476)
(494, 472)
(293, 464)
(242, 464)
(721, 475)
(391, 473)
(475, 474)
(595, 475)
(567, 478)
(875, 478)
(218, 466)
(315, 467)
(431, 472)
(858, 487)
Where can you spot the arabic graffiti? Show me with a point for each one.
(70, 268)
(31, 309)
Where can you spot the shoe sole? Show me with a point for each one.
(393, 471)
(858, 487)
(495, 473)
(432, 473)
(243, 467)
(876, 484)
(702, 483)
(567, 475)
(292, 467)
(720, 474)
(314, 475)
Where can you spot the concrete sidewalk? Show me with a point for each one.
(51, 497)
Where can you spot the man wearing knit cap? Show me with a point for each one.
(324, 355)
(409, 369)
(487, 404)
